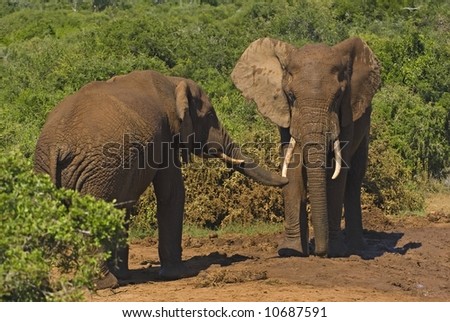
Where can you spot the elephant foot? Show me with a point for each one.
(291, 247)
(120, 268)
(356, 244)
(107, 281)
(337, 247)
(174, 272)
(122, 273)
(338, 251)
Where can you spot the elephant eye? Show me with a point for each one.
(290, 97)
(211, 115)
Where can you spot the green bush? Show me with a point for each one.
(418, 131)
(223, 197)
(388, 181)
(226, 196)
(50, 241)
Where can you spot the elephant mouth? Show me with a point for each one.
(337, 155)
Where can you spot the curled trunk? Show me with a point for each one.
(254, 171)
(233, 156)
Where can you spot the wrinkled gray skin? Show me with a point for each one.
(321, 97)
(113, 139)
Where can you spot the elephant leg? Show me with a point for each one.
(169, 191)
(118, 264)
(106, 279)
(352, 202)
(335, 201)
(296, 231)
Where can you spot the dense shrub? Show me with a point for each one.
(50, 240)
(417, 130)
(388, 181)
(227, 197)
(223, 198)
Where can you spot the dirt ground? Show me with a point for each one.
(408, 259)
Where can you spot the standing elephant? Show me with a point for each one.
(112, 139)
(320, 98)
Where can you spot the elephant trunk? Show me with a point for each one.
(315, 161)
(319, 214)
(233, 156)
(254, 171)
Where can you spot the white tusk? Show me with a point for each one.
(338, 157)
(229, 159)
(288, 157)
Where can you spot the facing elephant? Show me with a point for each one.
(320, 98)
(113, 139)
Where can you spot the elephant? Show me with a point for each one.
(112, 139)
(320, 97)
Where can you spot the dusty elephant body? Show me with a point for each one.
(113, 139)
(320, 97)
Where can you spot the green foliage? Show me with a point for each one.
(50, 241)
(312, 22)
(415, 60)
(50, 48)
(388, 180)
(227, 197)
(418, 131)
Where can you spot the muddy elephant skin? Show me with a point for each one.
(114, 138)
(320, 98)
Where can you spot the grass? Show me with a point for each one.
(254, 229)
(190, 230)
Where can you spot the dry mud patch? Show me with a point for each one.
(408, 259)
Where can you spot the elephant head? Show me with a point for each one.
(313, 92)
(202, 134)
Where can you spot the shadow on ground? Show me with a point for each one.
(196, 264)
(380, 243)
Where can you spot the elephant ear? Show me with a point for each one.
(258, 75)
(182, 94)
(182, 99)
(364, 74)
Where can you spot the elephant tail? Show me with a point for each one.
(58, 159)
(54, 167)
(46, 162)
